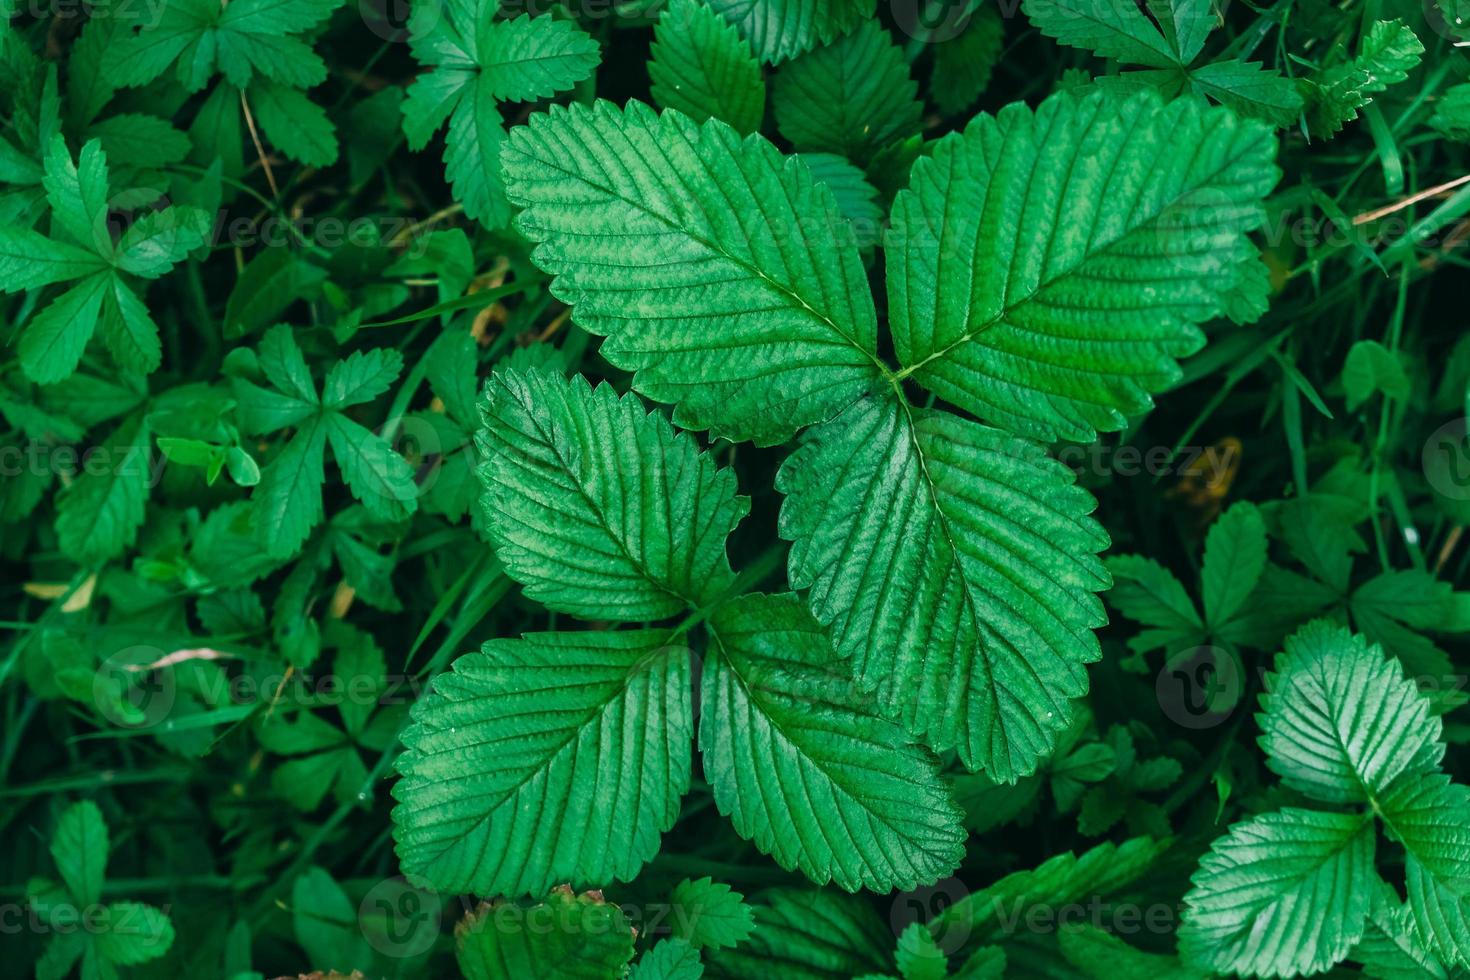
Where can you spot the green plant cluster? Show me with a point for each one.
(792, 489)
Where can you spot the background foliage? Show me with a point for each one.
(268, 309)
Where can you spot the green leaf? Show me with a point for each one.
(156, 241)
(296, 125)
(669, 959)
(1387, 54)
(78, 193)
(955, 566)
(700, 66)
(127, 329)
(809, 934)
(851, 97)
(363, 376)
(556, 757)
(52, 344)
(709, 914)
(1068, 328)
(1107, 28)
(1390, 949)
(1340, 722)
(1100, 955)
(29, 259)
(476, 62)
(374, 472)
(132, 139)
(1428, 816)
(808, 771)
(134, 933)
(1452, 113)
(79, 848)
(1146, 591)
(1281, 894)
(919, 957)
(1250, 89)
(570, 937)
(992, 913)
(686, 225)
(288, 499)
(98, 516)
(963, 64)
(1235, 557)
(1370, 368)
(1185, 24)
(780, 29)
(856, 199)
(600, 509)
(324, 921)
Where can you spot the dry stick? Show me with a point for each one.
(1411, 199)
(1452, 539)
(270, 178)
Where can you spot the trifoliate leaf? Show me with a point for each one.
(851, 97)
(709, 914)
(475, 62)
(516, 774)
(955, 565)
(570, 937)
(701, 66)
(780, 29)
(1340, 722)
(1387, 54)
(804, 769)
(1283, 893)
(597, 507)
(1127, 245)
(657, 228)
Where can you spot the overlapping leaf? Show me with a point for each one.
(955, 565)
(807, 771)
(1340, 722)
(660, 230)
(556, 757)
(1046, 268)
(702, 67)
(597, 507)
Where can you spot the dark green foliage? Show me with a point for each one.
(734, 489)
